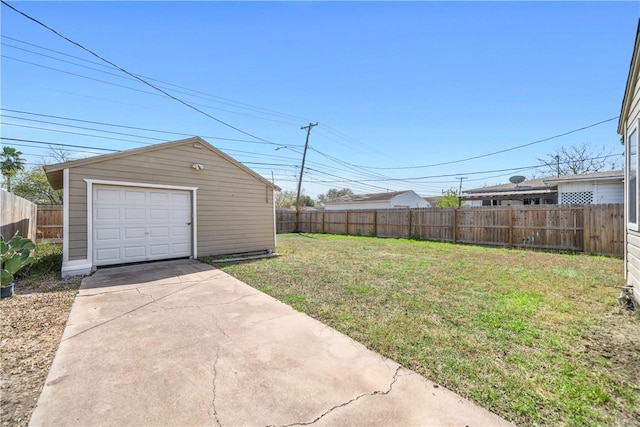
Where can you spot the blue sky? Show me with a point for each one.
(393, 86)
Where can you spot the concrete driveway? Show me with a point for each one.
(180, 343)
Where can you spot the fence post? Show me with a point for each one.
(410, 222)
(510, 226)
(455, 224)
(586, 229)
(375, 223)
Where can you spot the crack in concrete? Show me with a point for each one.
(278, 317)
(217, 325)
(153, 301)
(235, 300)
(373, 393)
(213, 386)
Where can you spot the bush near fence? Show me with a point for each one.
(595, 229)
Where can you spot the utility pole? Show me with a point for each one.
(460, 190)
(304, 156)
(558, 164)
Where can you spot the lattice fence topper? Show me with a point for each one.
(577, 198)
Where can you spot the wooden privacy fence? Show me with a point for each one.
(596, 229)
(50, 223)
(18, 215)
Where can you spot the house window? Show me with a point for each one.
(576, 198)
(632, 186)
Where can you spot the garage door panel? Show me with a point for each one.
(180, 248)
(159, 249)
(108, 234)
(158, 197)
(134, 252)
(181, 214)
(104, 194)
(107, 255)
(181, 199)
(159, 232)
(156, 214)
(137, 195)
(132, 224)
(107, 214)
(134, 213)
(134, 232)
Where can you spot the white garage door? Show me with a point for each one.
(133, 224)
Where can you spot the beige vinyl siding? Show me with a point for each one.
(633, 237)
(235, 209)
(633, 263)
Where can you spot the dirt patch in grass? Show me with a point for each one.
(30, 331)
(536, 337)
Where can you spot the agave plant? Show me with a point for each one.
(15, 254)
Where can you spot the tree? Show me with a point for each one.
(11, 164)
(579, 159)
(34, 186)
(449, 199)
(287, 199)
(333, 194)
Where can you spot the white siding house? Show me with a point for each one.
(591, 188)
(389, 200)
(629, 128)
(529, 192)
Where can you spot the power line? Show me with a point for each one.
(490, 154)
(188, 105)
(127, 127)
(222, 100)
(215, 98)
(57, 144)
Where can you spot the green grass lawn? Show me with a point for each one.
(535, 337)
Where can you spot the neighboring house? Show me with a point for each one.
(178, 199)
(433, 200)
(531, 192)
(589, 188)
(389, 200)
(629, 128)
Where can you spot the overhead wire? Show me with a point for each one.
(222, 100)
(141, 80)
(166, 132)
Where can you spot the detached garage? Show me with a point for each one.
(173, 200)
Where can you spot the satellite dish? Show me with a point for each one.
(517, 179)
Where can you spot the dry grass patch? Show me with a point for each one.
(536, 337)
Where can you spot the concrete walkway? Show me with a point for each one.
(180, 343)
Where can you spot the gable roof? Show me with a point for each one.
(632, 80)
(54, 172)
(373, 197)
(596, 176)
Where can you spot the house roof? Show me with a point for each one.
(524, 186)
(361, 198)
(54, 172)
(537, 187)
(632, 80)
(596, 176)
(508, 194)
